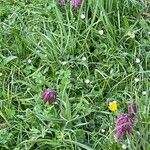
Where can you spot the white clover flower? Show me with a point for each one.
(103, 130)
(124, 146)
(136, 79)
(29, 61)
(137, 60)
(87, 81)
(84, 58)
(1, 74)
(131, 34)
(82, 16)
(101, 32)
(64, 63)
(144, 93)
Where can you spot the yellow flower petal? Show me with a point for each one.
(113, 106)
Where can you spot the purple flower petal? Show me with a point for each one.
(63, 2)
(76, 3)
(49, 95)
(123, 126)
(132, 109)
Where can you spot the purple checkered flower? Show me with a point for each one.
(132, 109)
(123, 126)
(76, 3)
(63, 2)
(49, 95)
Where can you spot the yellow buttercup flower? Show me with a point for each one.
(113, 106)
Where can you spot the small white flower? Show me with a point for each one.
(111, 71)
(29, 61)
(103, 130)
(101, 32)
(125, 53)
(83, 58)
(144, 93)
(87, 81)
(131, 34)
(1, 74)
(64, 63)
(137, 60)
(148, 32)
(82, 16)
(124, 146)
(136, 79)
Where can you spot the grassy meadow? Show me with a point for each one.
(91, 56)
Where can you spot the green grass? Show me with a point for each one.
(42, 45)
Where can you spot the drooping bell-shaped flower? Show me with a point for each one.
(49, 95)
(132, 109)
(123, 126)
(76, 3)
(63, 2)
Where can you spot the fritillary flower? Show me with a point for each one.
(49, 95)
(76, 3)
(123, 126)
(63, 2)
(124, 123)
(132, 109)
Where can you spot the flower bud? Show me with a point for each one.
(49, 95)
(63, 2)
(132, 109)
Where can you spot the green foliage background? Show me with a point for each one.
(55, 39)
